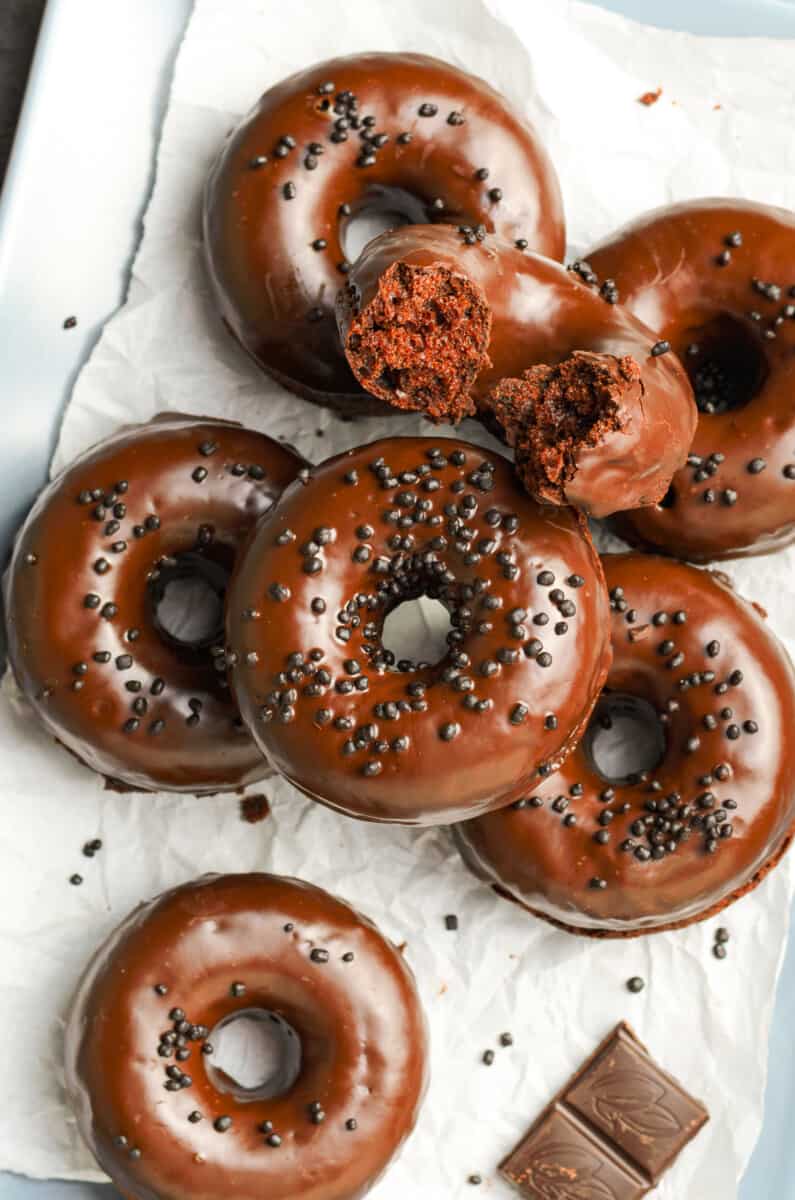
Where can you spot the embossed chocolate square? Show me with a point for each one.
(641, 1109)
(561, 1159)
(611, 1132)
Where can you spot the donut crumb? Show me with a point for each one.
(254, 808)
(421, 341)
(553, 413)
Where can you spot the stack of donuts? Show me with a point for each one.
(648, 384)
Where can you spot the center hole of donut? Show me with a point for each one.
(187, 600)
(415, 632)
(380, 210)
(726, 363)
(624, 737)
(256, 1055)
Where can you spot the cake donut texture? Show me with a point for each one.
(715, 810)
(402, 134)
(599, 417)
(348, 1073)
(396, 740)
(716, 279)
(154, 507)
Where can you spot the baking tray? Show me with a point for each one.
(83, 162)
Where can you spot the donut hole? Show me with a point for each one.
(624, 738)
(415, 632)
(186, 600)
(256, 1055)
(726, 363)
(379, 210)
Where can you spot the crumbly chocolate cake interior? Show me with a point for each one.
(553, 413)
(422, 340)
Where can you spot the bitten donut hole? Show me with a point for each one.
(187, 601)
(421, 341)
(416, 631)
(624, 738)
(726, 363)
(256, 1055)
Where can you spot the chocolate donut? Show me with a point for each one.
(348, 1036)
(417, 743)
(716, 279)
(400, 134)
(697, 667)
(599, 418)
(152, 507)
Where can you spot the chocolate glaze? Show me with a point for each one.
(679, 270)
(542, 314)
(150, 711)
(275, 291)
(359, 1021)
(743, 776)
(529, 648)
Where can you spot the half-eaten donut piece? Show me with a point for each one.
(567, 423)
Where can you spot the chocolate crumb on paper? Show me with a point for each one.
(254, 808)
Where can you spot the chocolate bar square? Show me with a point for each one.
(560, 1158)
(611, 1132)
(641, 1109)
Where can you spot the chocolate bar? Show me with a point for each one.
(611, 1132)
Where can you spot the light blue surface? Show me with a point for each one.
(772, 1170)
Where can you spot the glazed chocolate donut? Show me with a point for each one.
(598, 417)
(391, 133)
(152, 507)
(676, 843)
(347, 1028)
(716, 279)
(398, 741)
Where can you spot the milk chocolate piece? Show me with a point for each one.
(561, 1157)
(611, 1133)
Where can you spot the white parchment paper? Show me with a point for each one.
(723, 124)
